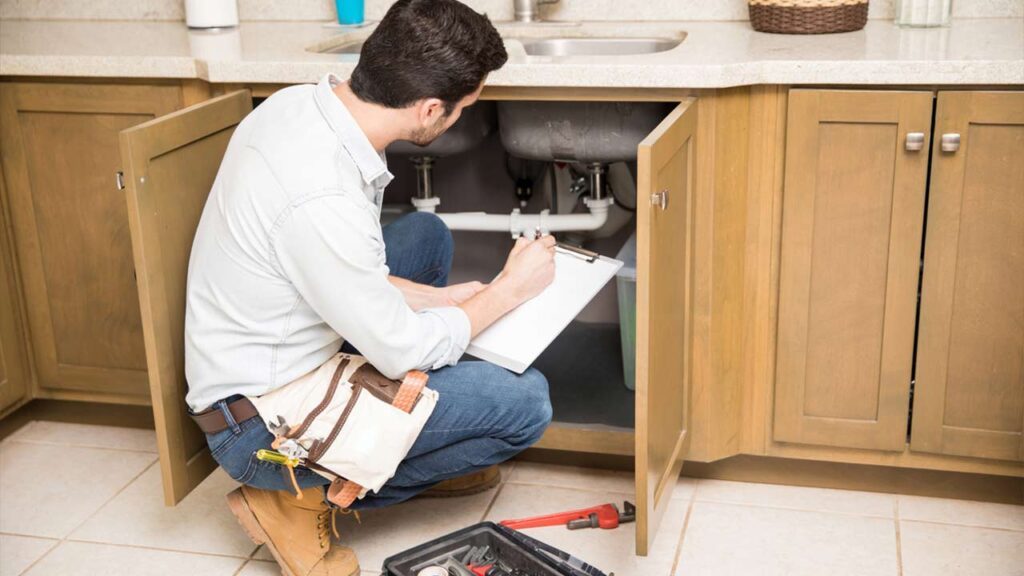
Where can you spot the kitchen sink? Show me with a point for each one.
(475, 124)
(563, 41)
(588, 132)
(596, 46)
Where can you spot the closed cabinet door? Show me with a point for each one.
(60, 156)
(170, 165)
(666, 176)
(14, 373)
(852, 216)
(969, 392)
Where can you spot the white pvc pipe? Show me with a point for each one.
(517, 222)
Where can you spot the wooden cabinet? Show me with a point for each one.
(666, 193)
(851, 270)
(852, 215)
(15, 378)
(60, 155)
(170, 164)
(969, 391)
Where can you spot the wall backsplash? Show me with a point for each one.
(496, 9)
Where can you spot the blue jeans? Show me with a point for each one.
(485, 414)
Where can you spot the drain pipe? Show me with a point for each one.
(518, 223)
(424, 201)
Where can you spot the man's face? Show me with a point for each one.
(427, 134)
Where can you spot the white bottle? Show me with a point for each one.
(922, 13)
(211, 13)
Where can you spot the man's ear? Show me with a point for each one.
(429, 110)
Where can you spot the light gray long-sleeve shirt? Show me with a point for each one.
(288, 259)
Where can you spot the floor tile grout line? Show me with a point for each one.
(252, 555)
(563, 486)
(155, 462)
(90, 516)
(490, 504)
(793, 509)
(91, 446)
(977, 526)
(52, 547)
(158, 549)
(242, 567)
(682, 534)
(251, 558)
(899, 545)
(244, 559)
(33, 536)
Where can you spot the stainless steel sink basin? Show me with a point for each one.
(589, 132)
(557, 46)
(596, 46)
(475, 123)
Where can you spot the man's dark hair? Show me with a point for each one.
(427, 49)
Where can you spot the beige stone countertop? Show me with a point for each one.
(712, 54)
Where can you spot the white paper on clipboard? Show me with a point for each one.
(518, 338)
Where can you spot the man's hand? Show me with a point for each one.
(530, 268)
(458, 293)
(422, 296)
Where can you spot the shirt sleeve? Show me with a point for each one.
(331, 249)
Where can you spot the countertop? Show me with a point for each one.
(712, 54)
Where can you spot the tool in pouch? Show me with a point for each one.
(347, 422)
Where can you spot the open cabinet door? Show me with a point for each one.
(169, 167)
(666, 178)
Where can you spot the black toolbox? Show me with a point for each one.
(515, 549)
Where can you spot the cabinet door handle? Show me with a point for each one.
(950, 142)
(915, 141)
(119, 179)
(660, 199)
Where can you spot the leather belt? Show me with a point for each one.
(212, 421)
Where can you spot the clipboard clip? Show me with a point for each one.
(581, 253)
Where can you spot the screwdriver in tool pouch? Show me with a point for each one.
(288, 462)
(276, 458)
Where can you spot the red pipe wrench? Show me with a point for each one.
(606, 516)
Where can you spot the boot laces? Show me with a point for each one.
(324, 518)
(330, 515)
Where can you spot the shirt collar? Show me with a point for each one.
(371, 164)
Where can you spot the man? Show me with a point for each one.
(290, 260)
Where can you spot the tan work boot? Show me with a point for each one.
(466, 485)
(297, 532)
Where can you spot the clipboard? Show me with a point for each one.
(518, 338)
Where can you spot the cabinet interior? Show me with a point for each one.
(584, 365)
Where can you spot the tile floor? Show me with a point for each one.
(85, 500)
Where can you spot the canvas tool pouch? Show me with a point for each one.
(348, 422)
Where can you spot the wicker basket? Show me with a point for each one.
(808, 16)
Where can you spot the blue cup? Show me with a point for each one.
(349, 11)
